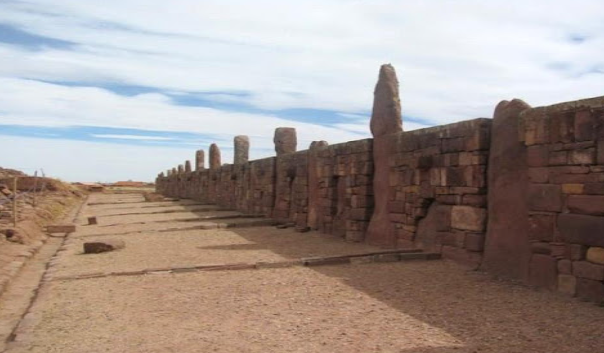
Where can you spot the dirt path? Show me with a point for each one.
(419, 306)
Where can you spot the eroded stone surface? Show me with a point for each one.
(285, 140)
(214, 157)
(242, 149)
(199, 160)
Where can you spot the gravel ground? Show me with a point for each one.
(429, 307)
(424, 307)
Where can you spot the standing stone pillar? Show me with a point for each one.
(313, 183)
(385, 121)
(242, 149)
(174, 171)
(214, 157)
(199, 160)
(181, 169)
(187, 166)
(285, 140)
(507, 249)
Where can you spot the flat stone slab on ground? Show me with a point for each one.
(95, 247)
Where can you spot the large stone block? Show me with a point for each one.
(595, 255)
(585, 269)
(95, 247)
(537, 156)
(581, 229)
(545, 197)
(468, 218)
(567, 284)
(541, 227)
(543, 271)
(586, 204)
(591, 290)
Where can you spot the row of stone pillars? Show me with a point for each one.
(285, 142)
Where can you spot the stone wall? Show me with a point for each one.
(565, 159)
(437, 189)
(520, 196)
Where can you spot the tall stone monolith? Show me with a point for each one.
(214, 157)
(187, 166)
(174, 171)
(285, 140)
(181, 169)
(313, 183)
(385, 123)
(199, 160)
(507, 250)
(242, 149)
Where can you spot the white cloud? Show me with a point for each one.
(455, 59)
(132, 137)
(324, 54)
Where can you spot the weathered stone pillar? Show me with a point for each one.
(285, 140)
(242, 149)
(187, 166)
(199, 160)
(313, 183)
(181, 169)
(174, 171)
(385, 121)
(507, 249)
(214, 157)
(169, 172)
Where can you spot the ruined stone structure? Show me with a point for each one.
(520, 195)
(242, 149)
(199, 160)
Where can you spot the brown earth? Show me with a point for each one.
(140, 305)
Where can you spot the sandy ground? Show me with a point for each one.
(424, 306)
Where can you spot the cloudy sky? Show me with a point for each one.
(123, 89)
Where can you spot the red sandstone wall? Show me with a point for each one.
(545, 215)
(344, 187)
(565, 158)
(437, 189)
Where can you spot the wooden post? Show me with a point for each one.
(35, 188)
(15, 202)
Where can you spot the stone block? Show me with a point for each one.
(595, 255)
(95, 247)
(565, 266)
(594, 189)
(585, 269)
(545, 198)
(61, 228)
(541, 227)
(468, 218)
(461, 256)
(558, 250)
(537, 156)
(583, 156)
(581, 229)
(474, 200)
(543, 271)
(590, 290)
(558, 158)
(586, 204)
(584, 126)
(576, 189)
(474, 242)
(567, 284)
(538, 175)
(540, 248)
(577, 252)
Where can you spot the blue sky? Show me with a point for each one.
(131, 88)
